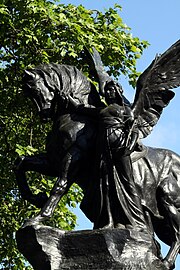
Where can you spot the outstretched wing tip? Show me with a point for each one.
(154, 88)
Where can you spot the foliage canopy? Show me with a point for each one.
(41, 31)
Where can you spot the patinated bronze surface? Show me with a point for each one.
(97, 145)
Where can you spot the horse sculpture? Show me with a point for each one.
(57, 90)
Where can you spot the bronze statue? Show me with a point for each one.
(97, 145)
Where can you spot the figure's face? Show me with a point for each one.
(113, 93)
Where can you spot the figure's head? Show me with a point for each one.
(113, 93)
(37, 88)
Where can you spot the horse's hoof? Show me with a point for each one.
(34, 221)
(120, 226)
(106, 227)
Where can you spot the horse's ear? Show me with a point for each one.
(30, 74)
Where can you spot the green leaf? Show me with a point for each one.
(35, 32)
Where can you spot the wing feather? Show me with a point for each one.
(154, 85)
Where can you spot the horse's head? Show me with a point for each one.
(40, 88)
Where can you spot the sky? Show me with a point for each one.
(156, 21)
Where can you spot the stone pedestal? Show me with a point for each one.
(48, 248)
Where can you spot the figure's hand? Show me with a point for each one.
(113, 110)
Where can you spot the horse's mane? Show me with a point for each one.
(64, 79)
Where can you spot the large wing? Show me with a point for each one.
(153, 88)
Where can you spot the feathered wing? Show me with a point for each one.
(153, 89)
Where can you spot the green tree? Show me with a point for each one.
(41, 31)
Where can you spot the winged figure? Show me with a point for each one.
(98, 145)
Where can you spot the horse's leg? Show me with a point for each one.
(37, 163)
(174, 215)
(77, 145)
(69, 169)
(171, 202)
(60, 188)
